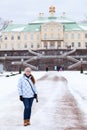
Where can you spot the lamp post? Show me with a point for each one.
(20, 68)
(81, 69)
(5, 55)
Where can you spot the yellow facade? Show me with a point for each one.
(52, 34)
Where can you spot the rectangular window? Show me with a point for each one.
(32, 36)
(25, 37)
(51, 29)
(86, 35)
(51, 45)
(58, 45)
(45, 45)
(79, 35)
(25, 46)
(52, 37)
(6, 46)
(66, 36)
(12, 37)
(79, 44)
(18, 37)
(45, 36)
(38, 46)
(18, 45)
(86, 44)
(72, 35)
(5, 38)
(72, 44)
(12, 45)
(58, 36)
(37, 37)
(66, 44)
(59, 28)
(32, 46)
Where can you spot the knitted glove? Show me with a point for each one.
(21, 98)
(36, 97)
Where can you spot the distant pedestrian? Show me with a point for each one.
(61, 69)
(55, 67)
(46, 68)
(27, 93)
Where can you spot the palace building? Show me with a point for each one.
(50, 32)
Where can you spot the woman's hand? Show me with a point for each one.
(21, 98)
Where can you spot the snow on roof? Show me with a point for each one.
(54, 19)
(15, 27)
(35, 26)
(72, 27)
(83, 27)
(18, 29)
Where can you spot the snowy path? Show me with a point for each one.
(56, 109)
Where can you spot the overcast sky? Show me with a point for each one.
(25, 11)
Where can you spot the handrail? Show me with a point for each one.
(35, 53)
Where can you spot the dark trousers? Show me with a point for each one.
(27, 107)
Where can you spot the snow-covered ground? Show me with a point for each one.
(53, 88)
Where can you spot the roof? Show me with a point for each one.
(23, 28)
(53, 19)
(14, 28)
(75, 27)
(83, 25)
(36, 25)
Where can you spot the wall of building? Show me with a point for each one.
(52, 35)
(9, 57)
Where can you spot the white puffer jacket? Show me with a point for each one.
(24, 87)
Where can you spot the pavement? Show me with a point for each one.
(57, 109)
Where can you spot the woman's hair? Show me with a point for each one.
(32, 78)
(27, 69)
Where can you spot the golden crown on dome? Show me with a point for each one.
(52, 9)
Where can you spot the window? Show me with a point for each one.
(38, 46)
(58, 45)
(32, 37)
(45, 45)
(37, 37)
(25, 46)
(12, 37)
(79, 44)
(86, 35)
(79, 35)
(18, 37)
(25, 37)
(12, 45)
(72, 44)
(66, 36)
(51, 45)
(5, 38)
(52, 37)
(86, 44)
(58, 36)
(72, 35)
(59, 28)
(45, 36)
(66, 44)
(18, 45)
(6, 46)
(32, 46)
(51, 29)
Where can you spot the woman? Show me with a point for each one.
(27, 93)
